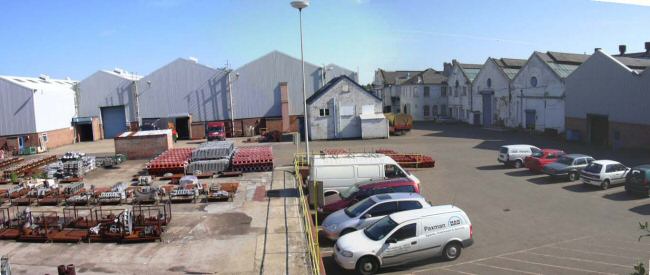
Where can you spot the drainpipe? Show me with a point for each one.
(232, 110)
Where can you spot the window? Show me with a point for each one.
(456, 85)
(426, 110)
(383, 209)
(392, 171)
(443, 110)
(533, 81)
(426, 91)
(406, 232)
(456, 91)
(324, 112)
(408, 205)
(611, 168)
(581, 161)
(434, 109)
(404, 189)
(44, 137)
(443, 91)
(489, 82)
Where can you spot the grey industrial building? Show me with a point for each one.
(607, 101)
(343, 109)
(189, 94)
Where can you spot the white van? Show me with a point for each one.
(405, 237)
(515, 154)
(338, 172)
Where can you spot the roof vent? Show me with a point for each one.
(597, 49)
(622, 49)
(44, 77)
(194, 59)
(647, 47)
(118, 71)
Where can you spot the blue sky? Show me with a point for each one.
(76, 38)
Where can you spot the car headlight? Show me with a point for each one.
(346, 253)
(331, 227)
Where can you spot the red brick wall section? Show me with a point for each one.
(58, 138)
(143, 147)
(630, 135)
(198, 130)
(97, 129)
(273, 124)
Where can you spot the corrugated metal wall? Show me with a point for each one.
(257, 88)
(103, 89)
(183, 87)
(16, 109)
(53, 109)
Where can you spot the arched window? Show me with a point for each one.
(489, 82)
(533, 81)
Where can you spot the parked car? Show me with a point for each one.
(364, 189)
(406, 237)
(336, 173)
(568, 166)
(514, 154)
(637, 181)
(368, 211)
(604, 173)
(539, 159)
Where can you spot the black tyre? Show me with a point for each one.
(573, 176)
(519, 163)
(452, 251)
(604, 185)
(367, 265)
(346, 231)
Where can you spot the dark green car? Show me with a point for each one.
(638, 180)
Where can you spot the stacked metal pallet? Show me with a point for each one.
(408, 160)
(211, 157)
(22, 167)
(171, 161)
(253, 159)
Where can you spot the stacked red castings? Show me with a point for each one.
(408, 160)
(253, 159)
(335, 151)
(171, 161)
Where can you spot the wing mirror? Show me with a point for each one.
(367, 216)
(391, 240)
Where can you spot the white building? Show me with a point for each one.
(342, 109)
(36, 112)
(422, 96)
(539, 90)
(607, 101)
(459, 83)
(492, 94)
(387, 84)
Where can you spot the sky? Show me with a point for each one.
(66, 38)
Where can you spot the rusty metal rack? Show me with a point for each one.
(23, 167)
(11, 219)
(38, 225)
(222, 191)
(80, 217)
(9, 161)
(144, 215)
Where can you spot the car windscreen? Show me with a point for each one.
(537, 154)
(565, 160)
(594, 168)
(359, 207)
(503, 150)
(350, 191)
(218, 129)
(380, 229)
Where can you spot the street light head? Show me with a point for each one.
(300, 4)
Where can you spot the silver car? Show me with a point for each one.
(368, 211)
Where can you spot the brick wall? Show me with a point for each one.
(275, 124)
(60, 137)
(198, 130)
(97, 129)
(143, 147)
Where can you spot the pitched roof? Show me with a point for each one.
(634, 63)
(428, 76)
(509, 66)
(396, 77)
(38, 83)
(122, 74)
(332, 83)
(563, 64)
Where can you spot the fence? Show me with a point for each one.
(310, 225)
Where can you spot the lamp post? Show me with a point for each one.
(301, 4)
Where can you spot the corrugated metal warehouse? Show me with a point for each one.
(35, 112)
(339, 109)
(188, 94)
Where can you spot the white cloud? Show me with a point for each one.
(627, 2)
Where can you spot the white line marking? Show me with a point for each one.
(458, 271)
(556, 266)
(507, 269)
(589, 252)
(578, 259)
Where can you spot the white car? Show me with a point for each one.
(515, 154)
(604, 173)
(405, 237)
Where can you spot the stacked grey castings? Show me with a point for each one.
(211, 157)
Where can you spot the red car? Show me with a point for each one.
(364, 189)
(538, 160)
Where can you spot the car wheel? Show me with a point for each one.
(367, 265)
(452, 251)
(573, 176)
(346, 231)
(519, 164)
(604, 185)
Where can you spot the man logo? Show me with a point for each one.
(454, 220)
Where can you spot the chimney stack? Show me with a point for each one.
(621, 49)
(647, 47)
(597, 49)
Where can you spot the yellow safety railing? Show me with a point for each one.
(310, 226)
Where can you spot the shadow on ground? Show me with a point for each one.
(621, 196)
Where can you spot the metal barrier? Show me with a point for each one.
(310, 226)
